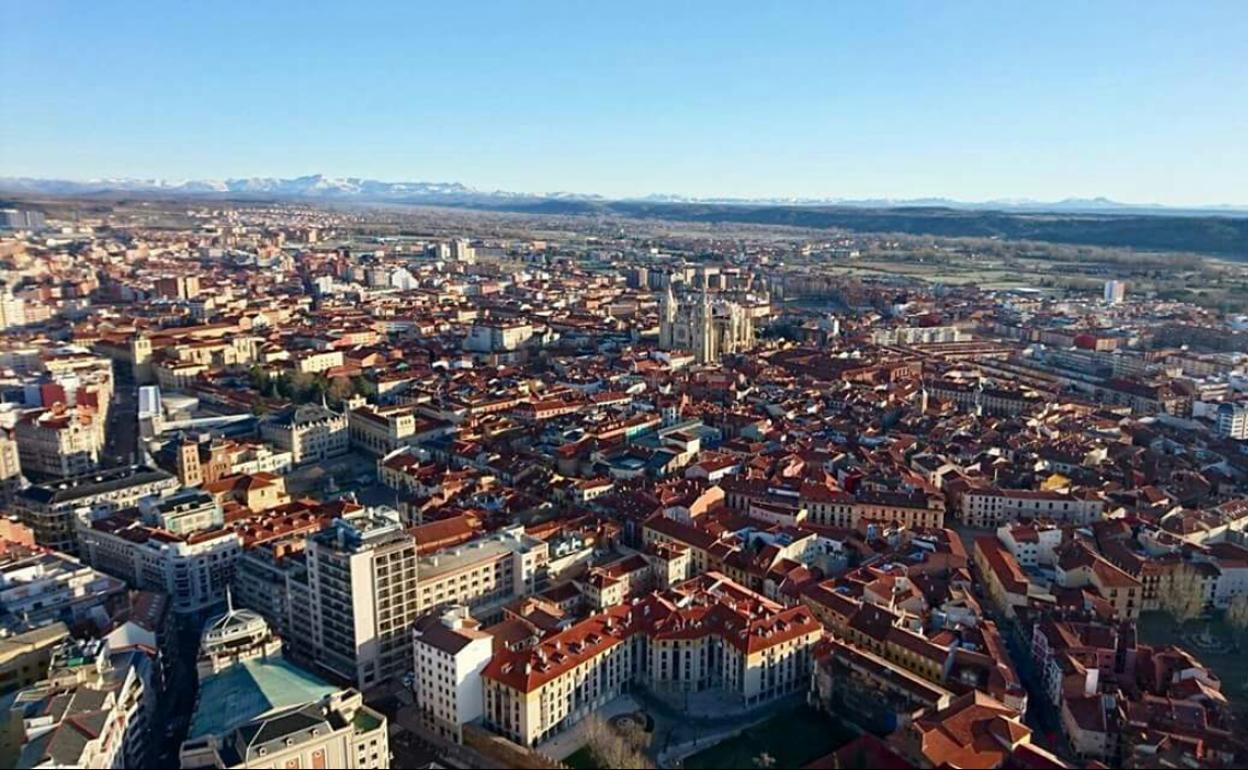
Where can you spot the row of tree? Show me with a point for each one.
(305, 387)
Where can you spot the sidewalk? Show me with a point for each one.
(568, 741)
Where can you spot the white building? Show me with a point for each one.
(194, 570)
(1115, 292)
(1233, 421)
(450, 651)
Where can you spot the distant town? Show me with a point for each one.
(318, 484)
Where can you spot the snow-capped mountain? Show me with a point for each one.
(319, 186)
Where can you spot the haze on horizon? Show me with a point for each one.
(1142, 103)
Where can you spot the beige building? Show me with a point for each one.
(60, 441)
(707, 634)
(310, 432)
(362, 584)
(381, 430)
(483, 574)
(317, 361)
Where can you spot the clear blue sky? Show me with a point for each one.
(1138, 101)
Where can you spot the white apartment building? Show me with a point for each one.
(194, 570)
(991, 507)
(450, 652)
(1233, 421)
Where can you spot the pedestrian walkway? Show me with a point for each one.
(567, 742)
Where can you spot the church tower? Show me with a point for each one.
(667, 317)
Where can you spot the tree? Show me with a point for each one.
(610, 748)
(340, 389)
(1237, 612)
(1183, 598)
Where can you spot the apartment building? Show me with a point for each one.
(86, 685)
(53, 509)
(193, 569)
(485, 573)
(990, 508)
(310, 432)
(39, 586)
(707, 634)
(60, 441)
(829, 507)
(362, 586)
(450, 651)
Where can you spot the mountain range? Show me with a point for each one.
(319, 186)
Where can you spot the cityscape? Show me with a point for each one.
(837, 412)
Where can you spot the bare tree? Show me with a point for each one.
(1182, 597)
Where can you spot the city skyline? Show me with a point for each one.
(967, 102)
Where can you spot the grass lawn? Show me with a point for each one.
(1231, 666)
(793, 738)
(581, 759)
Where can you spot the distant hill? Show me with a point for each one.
(1221, 230)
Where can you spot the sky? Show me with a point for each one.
(1135, 101)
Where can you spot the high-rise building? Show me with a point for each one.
(462, 251)
(362, 587)
(1233, 421)
(1115, 292)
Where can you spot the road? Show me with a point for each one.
(177, 701)
(122, 431)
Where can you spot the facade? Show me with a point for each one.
(54, 509)
(483, 574)
(710, 330)
(381, 430)
(991, 508)
(10, 466)
(309, 432)
(707, 634)
(449, 651)
(60, 441)
(498, 337)
(1232, 421)
(194, 570)
(918, 335)
(362, 587)
(1115, 292)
